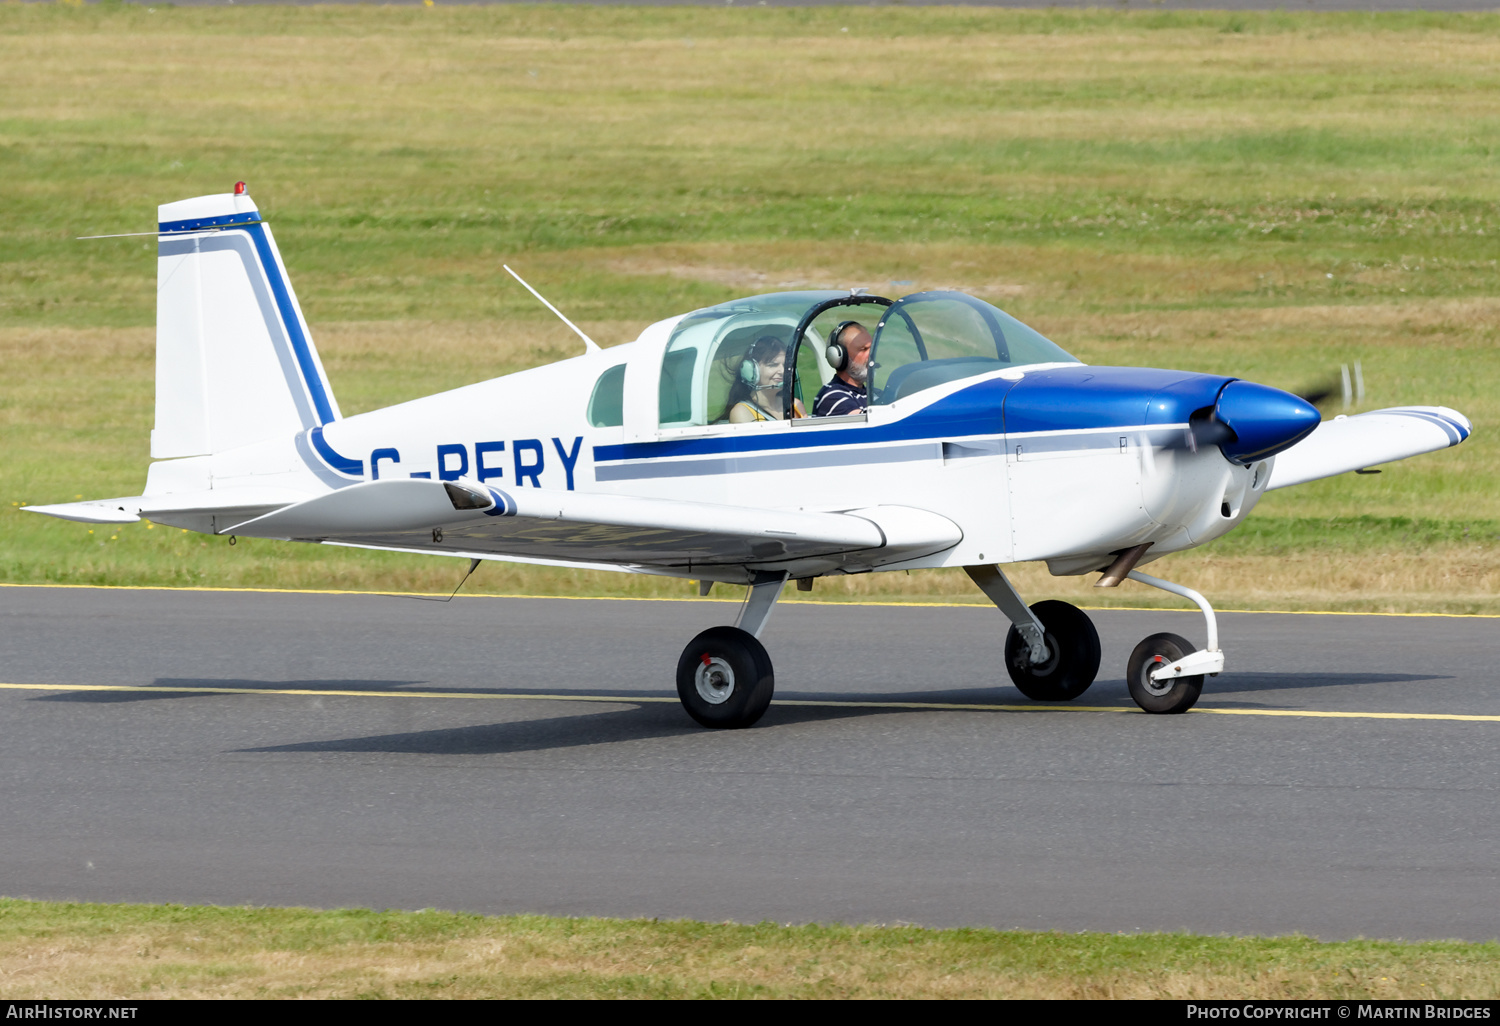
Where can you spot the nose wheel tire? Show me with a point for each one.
(1173, 695)
(724, 678)
(1072, 655)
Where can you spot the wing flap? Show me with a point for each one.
(1343, 444)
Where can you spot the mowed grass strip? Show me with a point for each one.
(1263, 195)
(65, 950)
(1094, 158)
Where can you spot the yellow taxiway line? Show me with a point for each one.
(935, 604)
(807, 703)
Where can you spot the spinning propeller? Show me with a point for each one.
(1350, 386)
(1248, 422)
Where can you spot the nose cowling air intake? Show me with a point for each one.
(1261, 421)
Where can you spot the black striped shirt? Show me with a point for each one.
(839, 398)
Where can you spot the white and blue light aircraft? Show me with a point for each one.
(983, 444)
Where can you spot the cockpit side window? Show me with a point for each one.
(676, 395)
(607, 404)
(707, 355)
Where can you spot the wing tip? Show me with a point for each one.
(1458, 426)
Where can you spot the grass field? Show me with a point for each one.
(1268, 195)
(129, 951)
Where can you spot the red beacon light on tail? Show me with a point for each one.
(239, 188)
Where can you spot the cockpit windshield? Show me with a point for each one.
(930, 338)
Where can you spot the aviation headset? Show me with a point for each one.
(838, 356)
(762, 347)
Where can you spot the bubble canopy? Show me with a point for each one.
(921, 341)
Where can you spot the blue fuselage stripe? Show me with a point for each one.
(1060, 401)
(335, 459)
(973, 411)
(300, 347)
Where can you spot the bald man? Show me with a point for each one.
(846, 394)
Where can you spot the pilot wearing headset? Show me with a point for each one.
(849, 353)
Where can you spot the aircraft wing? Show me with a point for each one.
(582, 527)
(1343, 444)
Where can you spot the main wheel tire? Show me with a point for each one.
(724, 678)
(1072, 655)
(1174, 695)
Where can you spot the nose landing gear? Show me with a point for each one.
(1165, 674)
(1168, 694)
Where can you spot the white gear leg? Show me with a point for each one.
(1209, 660)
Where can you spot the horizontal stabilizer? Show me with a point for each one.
(94, 511)
(198, 510)
(1343, 444)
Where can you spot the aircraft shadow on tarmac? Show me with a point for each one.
(643, 722)
(652, 720)
(1231, 683)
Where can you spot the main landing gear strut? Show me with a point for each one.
(724, 676)
(1052, 650)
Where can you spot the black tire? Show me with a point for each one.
(1176, 695)
(1073, 655)
(724, 678)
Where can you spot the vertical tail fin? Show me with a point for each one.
(235, 363)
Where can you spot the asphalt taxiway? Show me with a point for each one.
(1341, 778)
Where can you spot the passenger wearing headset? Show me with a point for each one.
(849, 354)
(756, 392)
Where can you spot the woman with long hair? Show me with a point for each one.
(756, 393)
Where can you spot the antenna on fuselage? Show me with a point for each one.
(590, 345)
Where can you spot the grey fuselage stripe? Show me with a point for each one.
(1029, 444)
(799, 460)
